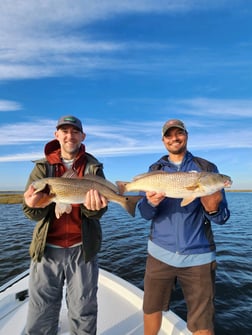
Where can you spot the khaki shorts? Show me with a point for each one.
(197, 283)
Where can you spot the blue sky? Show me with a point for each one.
(124, 68)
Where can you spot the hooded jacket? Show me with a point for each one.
(183, 230)
(81, 225)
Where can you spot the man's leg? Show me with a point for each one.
(152, 323)
(82, 282)
(45, 294)
(158, 283)
(203, 332)
(198, 285)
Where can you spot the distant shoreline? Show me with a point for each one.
(2, 193)
(11, 197)
(16, 197)
(230, 191)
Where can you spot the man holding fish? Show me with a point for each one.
(181, 245)
(66, 238)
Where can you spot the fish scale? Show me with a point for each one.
(185, 185)
(70, 191)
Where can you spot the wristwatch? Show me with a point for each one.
(212, 212)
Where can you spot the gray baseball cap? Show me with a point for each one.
(174, 123)
(70, 120)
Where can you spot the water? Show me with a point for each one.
(124, 251)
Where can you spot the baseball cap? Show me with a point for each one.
(70, 120)
(173, 123)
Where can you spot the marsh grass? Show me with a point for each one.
(11, 198)
(17, 198)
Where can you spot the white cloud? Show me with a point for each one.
(26, 132)
(222, 108)
(142, 137)
(8, 106)
(47, 38)
(29, 156)
(21, 16)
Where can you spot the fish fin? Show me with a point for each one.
(187, 201)
(147, 174)
(193, 187)
(130, 203)
(61, 209)
(122, 186)
(101, 181)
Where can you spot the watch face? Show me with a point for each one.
(212, 213)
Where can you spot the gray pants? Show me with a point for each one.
(47, 278)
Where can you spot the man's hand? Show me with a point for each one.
(94, 201)
(34, 200)
(154, 198)
(211, 202)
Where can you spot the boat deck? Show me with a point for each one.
(119, 309)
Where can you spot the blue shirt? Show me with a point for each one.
(182, 236)
(179, 260)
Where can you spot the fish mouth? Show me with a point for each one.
(228, 183)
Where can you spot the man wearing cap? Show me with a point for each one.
(181, 245)
(64, 250)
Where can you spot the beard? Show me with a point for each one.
(177, 150)
(72, 149)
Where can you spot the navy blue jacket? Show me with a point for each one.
(185, 230)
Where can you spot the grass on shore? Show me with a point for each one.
(17, 198)
(11, 198)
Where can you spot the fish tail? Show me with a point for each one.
(130, 202)
(122, 186)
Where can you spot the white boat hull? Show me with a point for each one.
(119, 309)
